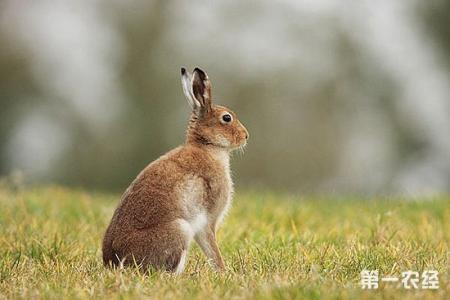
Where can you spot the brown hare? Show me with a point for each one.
(181, 196)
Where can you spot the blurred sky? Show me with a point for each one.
(338, 96)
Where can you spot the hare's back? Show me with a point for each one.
(152, 198)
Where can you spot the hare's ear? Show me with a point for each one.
(186, 82)
(201, 87)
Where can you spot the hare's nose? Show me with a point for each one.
(246, 135)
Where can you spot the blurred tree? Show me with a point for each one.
(317, 85)
(436, 18)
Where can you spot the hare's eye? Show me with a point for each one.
(227, 118)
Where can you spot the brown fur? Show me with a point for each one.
(145, 228)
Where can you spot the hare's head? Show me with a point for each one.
(210, 124)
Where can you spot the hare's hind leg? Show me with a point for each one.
(164, 247)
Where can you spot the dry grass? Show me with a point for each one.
(275, 247)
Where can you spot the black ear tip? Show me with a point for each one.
(183, 70)
(201, 73)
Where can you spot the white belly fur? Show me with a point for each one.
(194, 225)
(191, 193)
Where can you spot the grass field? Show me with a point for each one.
(275, 247)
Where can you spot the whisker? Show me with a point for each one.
(241, 150)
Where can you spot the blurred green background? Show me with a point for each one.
(338, 96)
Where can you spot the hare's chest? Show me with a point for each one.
(209, 192)
(198, 195)
(225, 199)
(221, 196)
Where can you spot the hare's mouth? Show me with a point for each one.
(225, 143)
